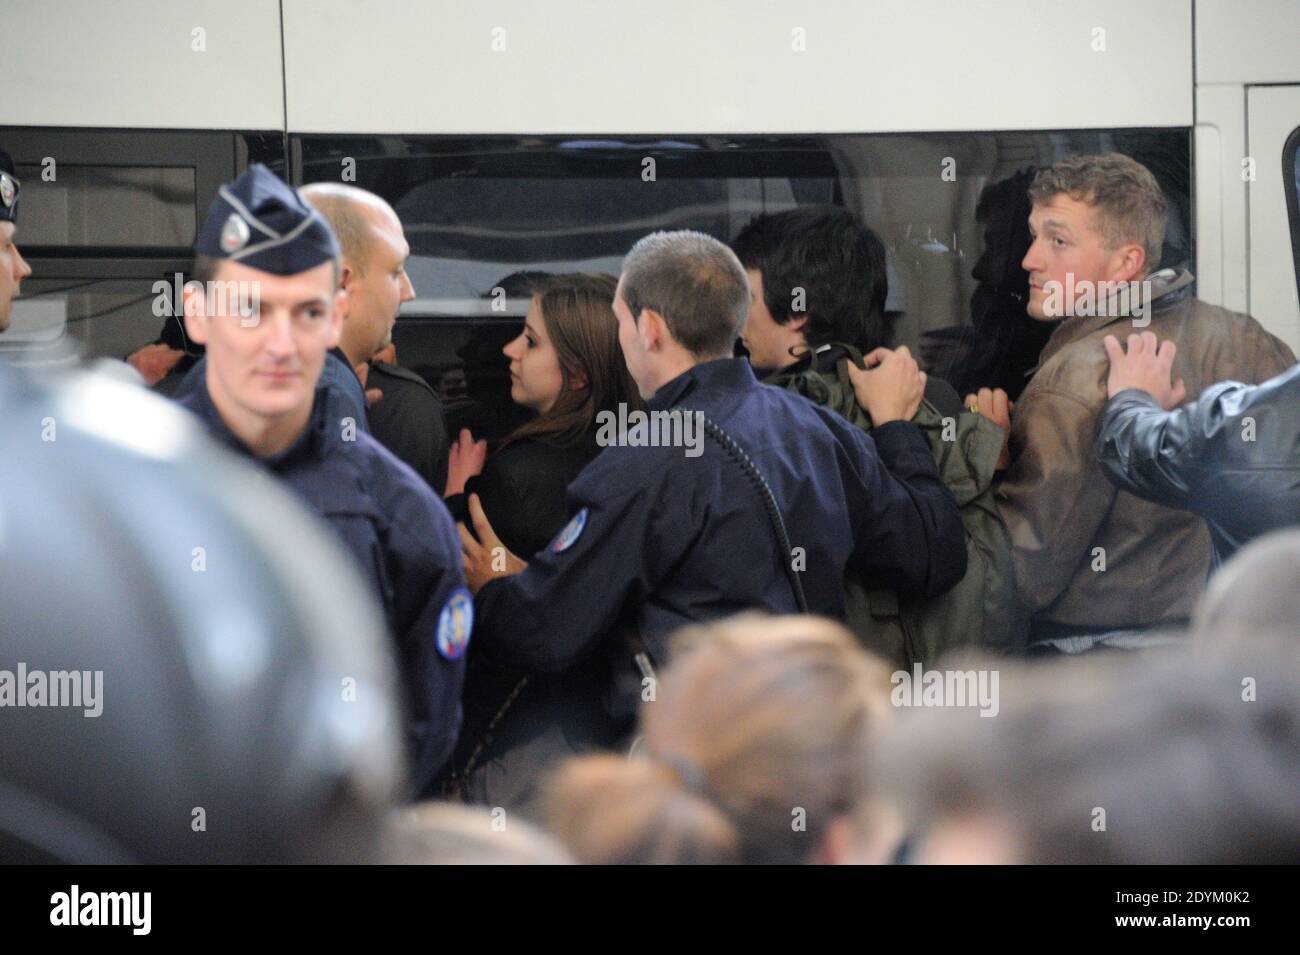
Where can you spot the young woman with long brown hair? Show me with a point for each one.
(567, 366)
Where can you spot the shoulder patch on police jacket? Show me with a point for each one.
(455, 623)
(572, 531)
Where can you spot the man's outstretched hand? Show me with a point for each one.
(1148, 366)
(464, 461)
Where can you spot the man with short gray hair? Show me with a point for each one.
(728, 495)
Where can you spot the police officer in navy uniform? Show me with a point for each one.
(338, 375)
(262, 395)
(664, 536)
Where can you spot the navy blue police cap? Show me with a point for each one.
(260, 221)
(9, 189)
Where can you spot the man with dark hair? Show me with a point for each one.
(13, 268)
(262, 394)
(1096, 565)
(675, 526)
(817, 316)
(818, 279)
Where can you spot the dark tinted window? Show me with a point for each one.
(107, 207)
(107, 218)
(478, 211)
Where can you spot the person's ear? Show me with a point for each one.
(653, 329)
(336, 318)
(799, 323)
(577, 381)
(195, 311)
(345, 277)
(1128, 262)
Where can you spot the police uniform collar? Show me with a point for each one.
(727, 374)
(342, 356)
(310, 443)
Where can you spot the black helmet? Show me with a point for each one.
(238, 663)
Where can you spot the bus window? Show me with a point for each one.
(486, 213)
(108, 219)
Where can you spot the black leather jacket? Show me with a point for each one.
(1232, 456)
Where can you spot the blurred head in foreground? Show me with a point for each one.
(1146, 761)
(753, 750)
(439, 833)
(1252, 602)
(190, 668)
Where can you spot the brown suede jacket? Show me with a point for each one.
(1088, 556)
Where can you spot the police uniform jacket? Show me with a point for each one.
(406, 546)
(658, 539)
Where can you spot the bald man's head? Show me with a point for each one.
(374, 262)
(354, 214)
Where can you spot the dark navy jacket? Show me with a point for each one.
(405, 544)
(657, 539)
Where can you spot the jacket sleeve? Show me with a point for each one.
(434, 621)
(349, 399)
(1147, 451)
(1169, 457)
(547, 617)
(907, 528)
(408, 420)
(1053, 496)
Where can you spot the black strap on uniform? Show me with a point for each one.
(641, 655)
(755, 476)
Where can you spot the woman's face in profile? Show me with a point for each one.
(535, 375)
